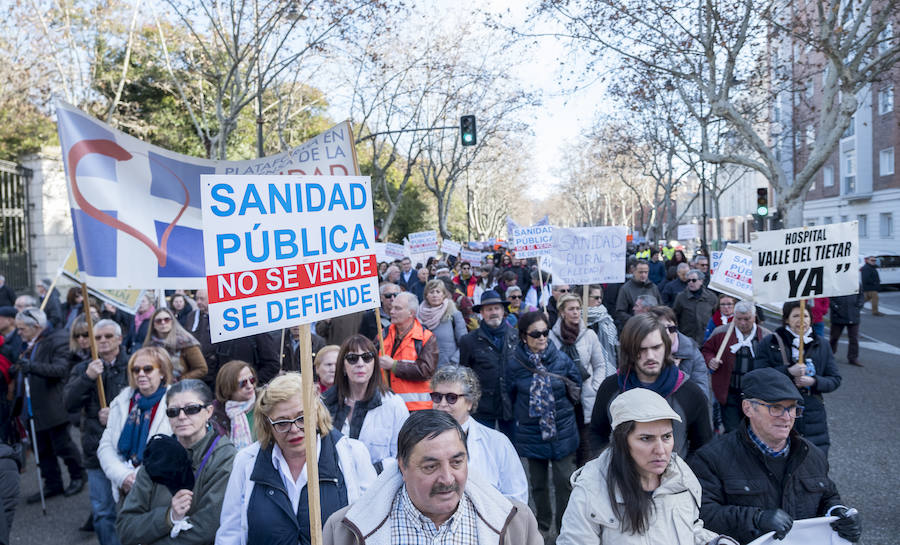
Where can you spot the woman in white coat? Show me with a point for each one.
(135, 415)
(638, 491)
(266, 498)
(456, 390)
(583, 347)
(360, 404)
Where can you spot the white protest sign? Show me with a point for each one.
(394, 251)
(282, 251)
(423, 242)
(806, 262)
(378, 248)
(471, 256)
(588, 255)
(450, 248)
(687, 231)
(714, 259)
(533, 241)
(734, 272)
(815, 531)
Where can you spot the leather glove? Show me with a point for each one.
(847, 526)
(774, 520)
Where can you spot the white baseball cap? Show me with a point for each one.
(640, 405)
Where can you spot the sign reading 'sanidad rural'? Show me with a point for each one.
(282, 251)
(588, 255)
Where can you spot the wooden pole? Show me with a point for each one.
(50, 290)
(802, 330)
(387, 374)
(281, 351)
(725, 339)
(90, 330)
(310, 410)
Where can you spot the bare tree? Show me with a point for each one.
(721, 55)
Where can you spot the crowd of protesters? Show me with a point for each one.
(617, 409)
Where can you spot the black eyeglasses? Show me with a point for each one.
(563, 290)
(284, 426)
(147, 369)
(189, 410)
(353, 358)
(244, 382)
(81, 335)
(437, 397)
(390, 295)
(513, 296)
(596, 297)
(106, 336)
(693, 279)
(539, 334)
(777, 410)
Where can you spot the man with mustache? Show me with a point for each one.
(431, 497)
(645, 361)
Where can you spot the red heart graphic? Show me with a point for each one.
(117, 152)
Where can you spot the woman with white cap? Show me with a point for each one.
(638, 490)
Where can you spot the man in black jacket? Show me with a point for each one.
(845, 313)
(81, 395)
(638, 285)
(762, 476)
(485, 351)
(871, 282)
(45, 361)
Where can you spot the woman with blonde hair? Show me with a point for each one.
(325, 364)
(135, 415)
(165, 331)
(439, 314)
(266, 494)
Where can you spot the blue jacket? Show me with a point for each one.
(527, 440)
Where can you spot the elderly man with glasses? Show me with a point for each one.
(368, 328)
(695, 306)
(762, 476)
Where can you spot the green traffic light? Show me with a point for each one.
(467, 137)
(762, 210)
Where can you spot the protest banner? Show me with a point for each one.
(687, 231)
(423, 242)
(805, 262)
(471, 256)
(714, 259)
(816, 531)
(127, 300)
(533, 241)
(588, 255)
(451, 248)
(734, 273)
(136, 207)
(286, 251)
(378, 248)
(394, 251)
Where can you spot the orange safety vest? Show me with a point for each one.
(416, 394)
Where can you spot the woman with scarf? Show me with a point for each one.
(141, 324)
(361, 405)
(135, 415)
(232, 415)
(439, 314)
(177, 496)
(187, 359)
(583, 347)
(539, 381)
(815, 375)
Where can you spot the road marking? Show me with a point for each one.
(876, 345)
(884, 310)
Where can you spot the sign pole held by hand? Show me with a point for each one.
(90, 331)
(310, 410)
(725, 339)
(802, 330)
(584, 303)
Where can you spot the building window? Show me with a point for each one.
(886, 100)
(811, 223)
(844, 218)
(885, 38)
(810, 88)
(851, 129)
(886, 162)
(886, 225)
(828, 176)
(776, 109)
(850, 171)
(863, 226)
(827, 220)
(810, 136)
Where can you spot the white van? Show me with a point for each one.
(888, 267)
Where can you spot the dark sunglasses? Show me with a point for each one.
(561, 290)
(81, 335)
(104, 336)
(539, 334)
(671, 328)
(514, 297)
(147, 369)
(163, 320)
(353, 358)
(189, 410)
(244, 382)
(693, 279)
(437, 397)
(596, 297)
(390, 295)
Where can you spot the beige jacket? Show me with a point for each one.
(590, 518)
(367, 520)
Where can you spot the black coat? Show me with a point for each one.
(260, 351)
(81, 395)
(9, 490)
(477, 351)
(814, 424)
(871, 281)
(737, 484)
(845, 309)
(47, 366)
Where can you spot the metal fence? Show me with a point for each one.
(15, 244)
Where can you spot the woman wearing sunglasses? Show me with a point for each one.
(235, 399)
(517, 306)
(266, 497)
(152, 513)
(360, 404)
(539, 380)
(455, 390)
(79, 342)
(135, 415)
(165, 331)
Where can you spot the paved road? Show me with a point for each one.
(863, 415)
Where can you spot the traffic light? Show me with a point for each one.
(762, 202)
(467, 130)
